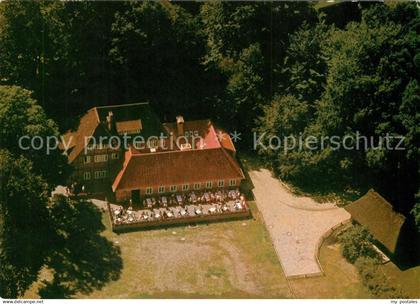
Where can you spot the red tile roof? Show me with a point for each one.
(202, 128)
(175, 168)
(225, 140)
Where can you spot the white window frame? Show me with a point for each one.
(173, 188)
(87, 159)
(197, 186)
(209, 184)
(101, 158)
(185, 187)
(138, 145)
(221, 183)
(149, 190)
(101, 174)
(161, 189)
(86, 175)
(232, 182)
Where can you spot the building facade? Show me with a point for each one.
(123, 152)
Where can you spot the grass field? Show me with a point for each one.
(340, 279)
(231, 259)
(408, 280)
(225, 260)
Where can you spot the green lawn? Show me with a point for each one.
(408, 280)
(230, 259)
(225, 260)
(340, 280)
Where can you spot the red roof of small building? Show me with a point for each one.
(201, 129)
(175, 168)
(225, 140)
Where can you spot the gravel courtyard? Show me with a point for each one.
(296, 224)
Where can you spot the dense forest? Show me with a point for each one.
(280, 68)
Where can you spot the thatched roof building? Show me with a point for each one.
(376, 214)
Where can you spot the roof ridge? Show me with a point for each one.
(189, 121)
(97, 114)
(123, 105)
(173, 151)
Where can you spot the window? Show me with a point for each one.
(86, 176)
(152, 143)
(87, 159)
(173, 188)
(185, 187)
(221, 183)
(209, 184)
(138, 145)
(149, 190)
(161, 189)
(100, 174)
(101, 158)
(232, 182)
(197, 186)
(115, 156)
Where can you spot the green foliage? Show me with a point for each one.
(375, 280)
(64, 234)
(415, 212)
(24, 226)
(357, 248)
(304, 66)
(57, 50)
(245, 41)
(80, 258)
(357, 242)
(157, 46)
(358, 80)
(243, 91)
(20, 115)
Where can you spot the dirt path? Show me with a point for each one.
(296, 224)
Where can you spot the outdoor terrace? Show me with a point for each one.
(177, 209)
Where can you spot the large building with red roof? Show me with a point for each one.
(125, 153)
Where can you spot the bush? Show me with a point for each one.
(375, 280)
(357, 242)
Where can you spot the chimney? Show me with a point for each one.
(180, 125)
(110, 120)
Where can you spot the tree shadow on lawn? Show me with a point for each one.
(82, 260)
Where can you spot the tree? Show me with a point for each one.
(58, 50)
(31, 45)
(243, 91)
(21, 120)
(357, 242)
(245, 42)
(304, 68)
(80, 259)
(24, 226)
(415, 212)
(230, 27)
(33, 230)
(358, 82)
(156, 49)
